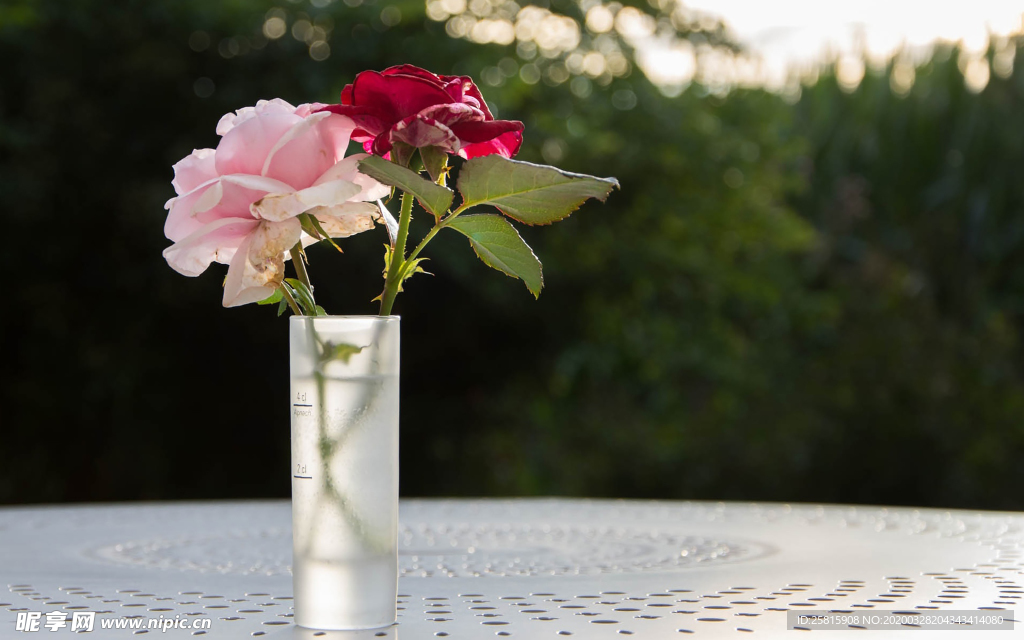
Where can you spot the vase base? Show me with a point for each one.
(389, 632)
(346, 596)
(352, 630)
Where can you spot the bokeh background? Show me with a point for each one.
(807, 292)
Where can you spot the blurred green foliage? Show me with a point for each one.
(818, 300)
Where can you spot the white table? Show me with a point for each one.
(532, 568)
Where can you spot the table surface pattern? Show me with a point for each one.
(526, 568)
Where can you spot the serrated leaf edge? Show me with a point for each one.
(504, 268)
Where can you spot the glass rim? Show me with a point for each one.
(368, 317)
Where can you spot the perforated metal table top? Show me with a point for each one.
(527, 568)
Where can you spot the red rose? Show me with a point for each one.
(408, 104)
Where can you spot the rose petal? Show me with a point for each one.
(455, 88)
(348, 169)
(424, 132)
(258, 265)
(394, 96)
(308, 149)
(369, 122)
(413, 70)
(282, 206)
(361, 135)
(217, 240)
(180, 221)
(350, 218)
(472, 92)
(308, 109)
(193, 170)
(224, 197)
(245, 147)
(411, 105)
(506, 145)
(231, 120)
(346, 94)
(474, 132)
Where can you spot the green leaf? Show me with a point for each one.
(436, 162)
(316, 230)
(415, 161)
(529, 193)
(306, 221)
(500, 246)
(388, 252)
(411, 268)
(273, 298)
(339, 351)
(281, 306)
(434, 198)
(303, 296)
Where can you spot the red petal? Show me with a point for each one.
(474, 132)
(455, 89)
(361, 135)
(474, 92)
(394, 97)
(380, 146)
(424, 132)
(506, 145)
(412, 70)
(366, 119)
(346, 95)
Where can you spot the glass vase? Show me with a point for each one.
(344, 395)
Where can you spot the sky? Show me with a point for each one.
(788, 33)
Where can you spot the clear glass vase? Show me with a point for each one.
(344, 395)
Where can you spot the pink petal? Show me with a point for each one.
(232, 196)
(180, 219)
(217, 240)
(258, 265)
(232, 120)
(193, 170)
(281, 206)
(348, 169)
(225, 197)
(348, 219)
(308, 109)
(245, 147)
(308, 149)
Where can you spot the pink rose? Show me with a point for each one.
(422, 109)
(237, 204)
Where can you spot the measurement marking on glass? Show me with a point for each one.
(300, 470)
(304, 477)
(302, 405)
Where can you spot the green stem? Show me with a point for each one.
(327, 447)
(300, 266)
(394, 278)
(433, 232)
(288, 297)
